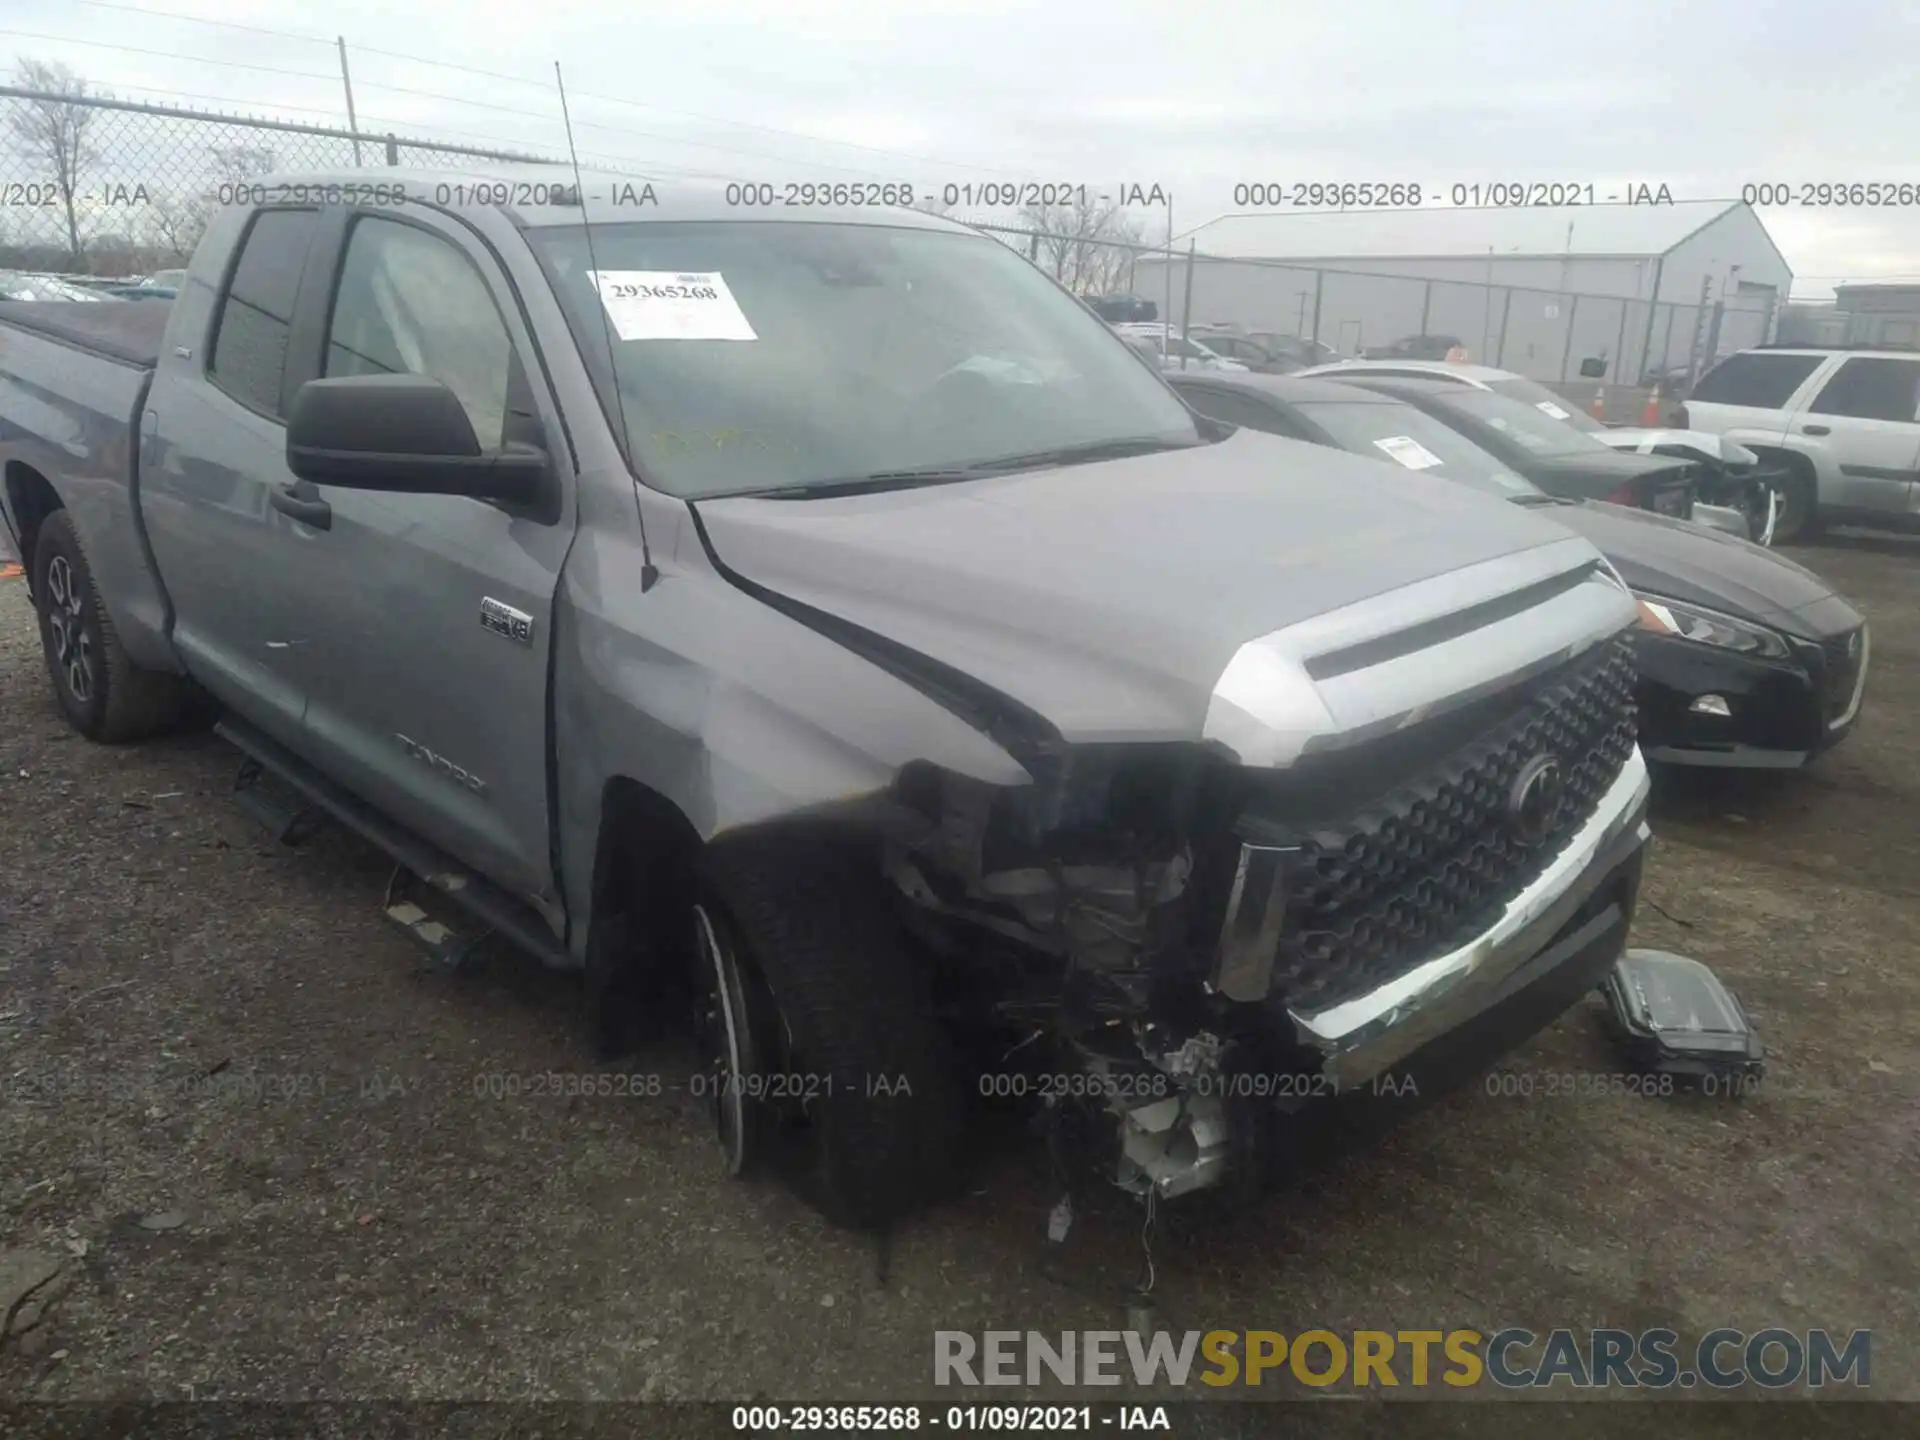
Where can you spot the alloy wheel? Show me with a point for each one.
(725, 1029)
(66, 617)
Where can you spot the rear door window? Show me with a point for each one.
(1867, 387)
(1764, 381)
(256, 314)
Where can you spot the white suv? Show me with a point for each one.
(1845, 423)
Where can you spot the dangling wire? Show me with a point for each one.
(1146, 1239)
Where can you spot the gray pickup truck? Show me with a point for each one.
(830, 612)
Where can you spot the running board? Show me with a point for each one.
(289, 823)
(495, 909)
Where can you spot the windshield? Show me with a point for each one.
(772, 355)
(1531, 429)
(1533, 393)
(1414, 439)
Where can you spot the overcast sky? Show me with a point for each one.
(1701, 96)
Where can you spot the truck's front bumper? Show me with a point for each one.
(1565, 920)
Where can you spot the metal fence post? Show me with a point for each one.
(1566, 353)
(1620, 349)
(1653, 304)
(1426, 306)
(1319, 291)
(393, 151)
(1186, 301)
(1500, 345)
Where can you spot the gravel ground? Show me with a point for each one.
(252, 1125)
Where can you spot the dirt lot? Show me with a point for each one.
(253, 1123)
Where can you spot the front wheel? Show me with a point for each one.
(825, 1057)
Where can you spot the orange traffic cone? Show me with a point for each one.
(11, 571)
(1598, 409)
(1650, 412)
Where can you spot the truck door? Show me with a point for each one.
(433, 614)
(213, 452)
(1868, 414)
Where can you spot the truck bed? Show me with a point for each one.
(123, 330)
(73, 380)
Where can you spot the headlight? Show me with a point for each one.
(1690, 622)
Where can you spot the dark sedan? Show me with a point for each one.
(1566, 463)
(1745, 657)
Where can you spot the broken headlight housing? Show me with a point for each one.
(1709, 627)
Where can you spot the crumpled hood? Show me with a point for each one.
(1110, 597)
(1671, 557)
(1700, 442)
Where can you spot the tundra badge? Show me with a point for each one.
(445, 766)
(504, 620)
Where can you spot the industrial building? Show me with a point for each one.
(1647, 287)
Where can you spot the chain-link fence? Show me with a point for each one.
(1542, 334)
(96, 186)
(102, 187)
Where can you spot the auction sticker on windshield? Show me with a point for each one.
(671, 305)
(1552, 409)
(1408, 451)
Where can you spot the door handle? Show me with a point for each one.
(302, 502)
(1816, 429)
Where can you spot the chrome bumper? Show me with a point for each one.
(1359, 1039)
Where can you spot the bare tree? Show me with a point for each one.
(1085, 245)
(175, 223)
(237, 163)
(52, 131)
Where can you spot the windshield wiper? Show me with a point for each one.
(973, 470)
(1082, 454)
(1538, 500)
(862, 484)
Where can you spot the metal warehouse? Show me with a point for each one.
(1649, 287)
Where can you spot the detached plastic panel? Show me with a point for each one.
(1674, 1016)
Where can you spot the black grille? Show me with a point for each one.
(1430, 863)
(1843, 673)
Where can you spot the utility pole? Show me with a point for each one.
(346, 82)
(1166, 315)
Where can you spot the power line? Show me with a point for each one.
(169, 55)
(542, 84)
(451, 100)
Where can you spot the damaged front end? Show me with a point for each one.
(1179, 944)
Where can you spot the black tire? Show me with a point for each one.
(1799, 520)
(102, 693)
(855, 1031)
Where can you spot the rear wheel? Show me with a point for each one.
(103, 694)
(825, 1057)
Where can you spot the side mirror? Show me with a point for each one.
(405, 434)
(1593, 368)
